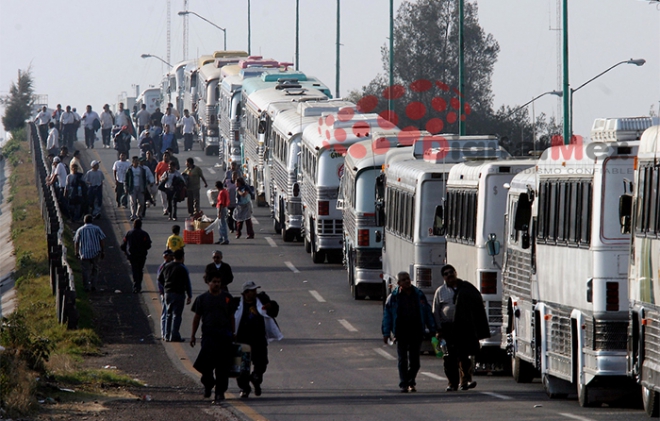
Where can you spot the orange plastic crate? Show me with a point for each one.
(197, 237)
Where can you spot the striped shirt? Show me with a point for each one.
(88, 238)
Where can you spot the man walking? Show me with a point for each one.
(137, 180)
(176, 284)
(142, 117)
(53, 140)
(169, 119)
(67, 123)
(188, 124)
(194, 175)
(94, 179)
(92, 122)
(119, 169)
(107, 121)
(220, 269)
(89, 244)
(42, 119)
(461, 321)
(136, 245)
(406, 316)
(222, 204)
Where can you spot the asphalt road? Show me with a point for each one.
(332, 364)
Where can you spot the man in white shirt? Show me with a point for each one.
(142, 117)
(169, 119)
(53, 140)
(107, 120)
(122, 119)
(119, 169)
(67, 123)
(42, 119)
(58, 179)
(135, 183)
(76, 125)
(188, 124)
(88, 120)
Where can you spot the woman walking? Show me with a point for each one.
(243, 211)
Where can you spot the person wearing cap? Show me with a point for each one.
(214, 310)
(94, 179)
(254, 324)
(107, 121)
(57, 179)
(168, 256)
(219, 268)
(136, 246)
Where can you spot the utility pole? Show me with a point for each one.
(297, 34)
(169, 26)
(461, 70)
(568, 130)
(390, 101)
(338, 49)
(249, 31)
(185, 31)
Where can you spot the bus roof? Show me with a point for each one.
(271, 77)
(471, 173)
(410, 173)
(229, 53)
(209, 72)
(564, 160)
(230, 70)
(261, 100)
(619, 129)
(372, 152)
(332, 130)
(204, 60)
(650, 143)
(294, 121)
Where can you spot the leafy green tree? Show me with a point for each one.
(18, 104)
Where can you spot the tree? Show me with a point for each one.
(18, 104)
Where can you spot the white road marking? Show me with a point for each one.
(270, 241)
(575, 417)
(254, 221)
(211, 170)
(433, 376)
(347, 325)
(384, 354)
(198, 159)
(497, 395)
(317, 296)
(290, 266)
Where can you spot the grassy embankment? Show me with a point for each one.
(42, 356)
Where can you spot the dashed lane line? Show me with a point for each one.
(497, 395)
(199, 159)
(385, 354)
(254, 221)
(290, 266)
(575, 417)
(433, 376)
(347, 325)
(317, 296)
(211, 170)
(270, 241)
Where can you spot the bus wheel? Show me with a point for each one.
(522, 371)
(651, 401)
(356, 292)
(583, 395)
(317, 256)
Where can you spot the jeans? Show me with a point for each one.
(187, 141)
(163, 318)
(223, 234)
(230, 219)
(193, 201)
(171, 204)
(248, 226)
(95, 197)
(90, 272)
(175, 303)
(90, 136)
(137, 203)
(137, 266)
(105, 135)
(120, 195)
(259, 356)
(408, 352)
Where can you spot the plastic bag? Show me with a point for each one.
(439, 347)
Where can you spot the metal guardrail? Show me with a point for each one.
(61, 275)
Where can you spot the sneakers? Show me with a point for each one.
(219, 397)
(451, 388)
(226, 242)
(207, 392)
(470, 385)
(412, 389)
(257, 390)
(404, 389)
(244, 394)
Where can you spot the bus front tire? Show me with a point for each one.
(522, 371)
(651, 402)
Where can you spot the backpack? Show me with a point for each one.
(96, 124)
(251, 190)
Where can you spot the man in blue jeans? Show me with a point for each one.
(176, 283)
(407, 316)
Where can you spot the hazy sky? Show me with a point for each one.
(88, 52)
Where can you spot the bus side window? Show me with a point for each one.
(522, 217)
(438, 221)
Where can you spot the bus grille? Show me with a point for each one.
(494, 309)
(517, 274)
(610, 336)
(368, 259)
(330, 226)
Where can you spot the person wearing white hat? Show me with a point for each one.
(94, 179)
(255, 325)
(57, 179)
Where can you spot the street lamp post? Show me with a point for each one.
(190, 12)
(156, 57)
(531, 101)
(569, 131)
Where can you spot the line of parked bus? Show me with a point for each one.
(572, 298)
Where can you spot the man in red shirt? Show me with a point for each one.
(222, 204)
(162, 167)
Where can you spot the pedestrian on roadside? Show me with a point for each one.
(152, 164)
(176, 284)
(94, 179)
(123, 141)
(172, 182)
(64, 158)
(219, 268)
(168, 256)
(53, 139)
(243, 212)
(461, 321)
(75, 192)
(169, 141)
(143, 118)
(137, 181)
(194, 174)
(214, 310)
(41, 120)
(119, 169)
(76, 160)
(67, 123)
(89, 245)
(57, 176)
(229, 174)
(156, 118)
(174, 241)
(146, 143)
(187, 124)
(169, 120)
(222, 204)
(407, 317)
(162, 167)
(136, 245)
(92, 122)
(230, 184)
(255, 325)
(107, 121)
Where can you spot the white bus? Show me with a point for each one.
(564, 276)
(149, 97)
(640, 215)
(323, 150)
(474, 224)
(284, 147)
(261, 107)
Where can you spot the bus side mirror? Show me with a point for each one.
(493, 245)
(380, 214)
(439, 222)
(625, 212)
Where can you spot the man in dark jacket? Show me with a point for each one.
(219, 268)
(136, 245)
(176, 283)
(459, 313)
(407, 316)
